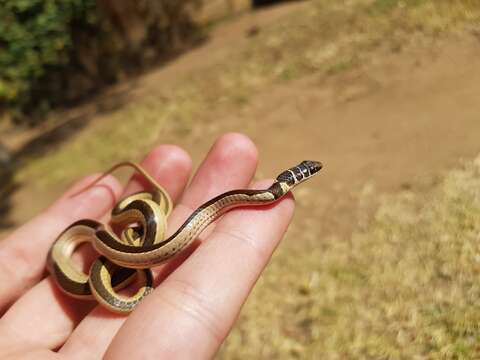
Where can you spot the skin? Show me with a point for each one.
(198, 295)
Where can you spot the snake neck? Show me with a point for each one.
(279, 189)
(213, 209)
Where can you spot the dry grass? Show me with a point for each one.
(125, 134)
(322, 38)
(405, 288)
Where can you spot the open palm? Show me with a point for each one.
(198, 294)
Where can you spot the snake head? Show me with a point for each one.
(312, 166)
(298, 174)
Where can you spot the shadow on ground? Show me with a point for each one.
(264, 3)
(7, 188)
(41, 140)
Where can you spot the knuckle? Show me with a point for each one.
(252, 244)
(187, 299)
(16, 262)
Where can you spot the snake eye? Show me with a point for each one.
(313, 166)
(305, 171)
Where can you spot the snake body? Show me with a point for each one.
(134, 241)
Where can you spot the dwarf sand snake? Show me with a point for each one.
(134, 240)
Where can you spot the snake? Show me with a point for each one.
(134, 240)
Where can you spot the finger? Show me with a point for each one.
(42, 318)
(230, 164)
(23, 253)
(191, 312)
(57, 314)
(170, 166)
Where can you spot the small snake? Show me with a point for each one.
(140, 221)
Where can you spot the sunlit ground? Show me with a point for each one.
(404, 285)
(321, 37)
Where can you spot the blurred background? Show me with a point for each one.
(382, 259)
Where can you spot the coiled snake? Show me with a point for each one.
(140, 221)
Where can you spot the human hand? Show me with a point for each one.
(198, 294)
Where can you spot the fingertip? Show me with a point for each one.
(235, 147)
(169, 164)
(171, 155)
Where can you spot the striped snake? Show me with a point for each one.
(134, 240)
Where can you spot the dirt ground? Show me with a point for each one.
(398, 121)
(404, 118)
(344, 284)
(398, 125)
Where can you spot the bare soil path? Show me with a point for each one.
(396, 125)
(411, 115)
